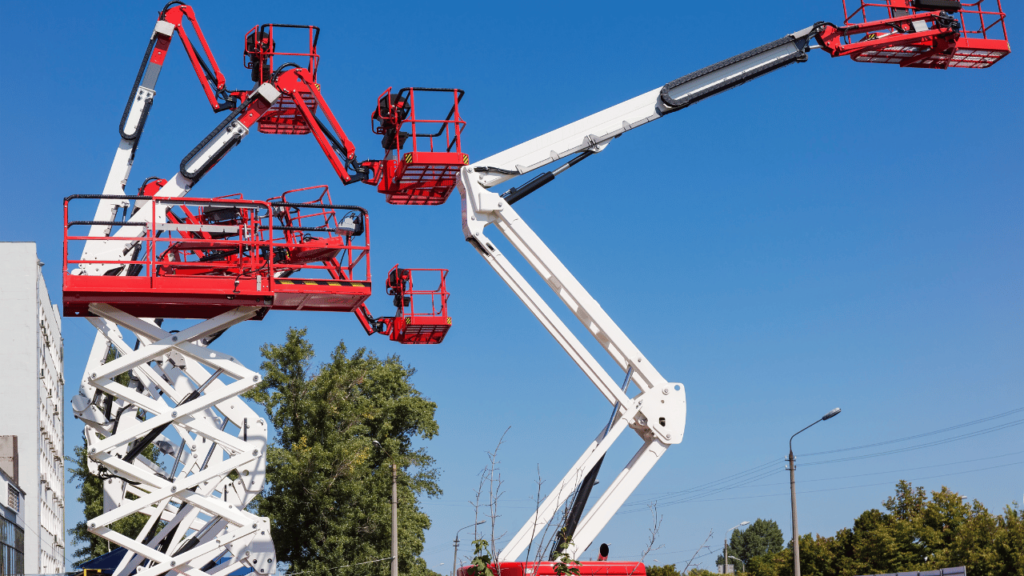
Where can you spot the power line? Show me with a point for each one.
(908, 469)
(746, 477)
(761, 471)
(707, 485)
(925, 445)
(713, 488)
(850, 487)
(914, 437)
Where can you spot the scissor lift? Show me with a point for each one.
(202, 257)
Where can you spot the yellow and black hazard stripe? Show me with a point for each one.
(320, 283)
(465, 158)
(408, 157)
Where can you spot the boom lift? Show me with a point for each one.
(222, 261)
(912, 33)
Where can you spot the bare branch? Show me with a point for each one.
(533, 534)
(702, 546)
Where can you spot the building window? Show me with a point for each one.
(12, 548)
(13, 499)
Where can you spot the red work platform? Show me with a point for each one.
(422, 314)
(548, 569)
(262, 43)
(424, 173)
(877, 35)
(203, 257)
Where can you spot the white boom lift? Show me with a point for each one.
(658, 412)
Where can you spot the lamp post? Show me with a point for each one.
(792, 490)
(394, 510)
(741, 562)
(455, 557)
(725, 548)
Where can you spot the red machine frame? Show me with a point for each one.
(412, 326)
(417, 177)
(259, 51)
(917, 34)
(202, 262)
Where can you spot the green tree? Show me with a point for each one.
(915, 532)
(760, 538)
(329, 486)
(666, 570)
(1009, 544)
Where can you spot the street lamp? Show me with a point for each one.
(741, 562)
(394, 509)
(792, 490)
(725, 548)
(455, 557)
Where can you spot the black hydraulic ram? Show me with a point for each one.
(728, 74)
(690, 89)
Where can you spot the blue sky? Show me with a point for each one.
(835, 234)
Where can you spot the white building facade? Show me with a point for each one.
(12, 523)
(32, 401)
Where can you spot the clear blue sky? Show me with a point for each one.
(836, 234)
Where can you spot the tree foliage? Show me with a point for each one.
(666, 570)
(329, 485)
(915, 532)
(760, 538)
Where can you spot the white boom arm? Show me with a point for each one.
(658, 412)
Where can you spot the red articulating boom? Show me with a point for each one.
(422, 157)
(159, 255)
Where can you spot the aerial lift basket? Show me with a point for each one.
(978, 39)
(202, 257)
(260, 51)
(424, 156)
(422, 314)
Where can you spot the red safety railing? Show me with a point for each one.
(981, 39)
(422, 312)
(395, 119)
(424, 154)
(261, 48)
(197, 257)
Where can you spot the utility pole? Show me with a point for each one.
(792, 495)
(725, 547)
(394, 519)
(455, 556)
(792, 490)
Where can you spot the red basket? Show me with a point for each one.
(982, 39)
(284, 116)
